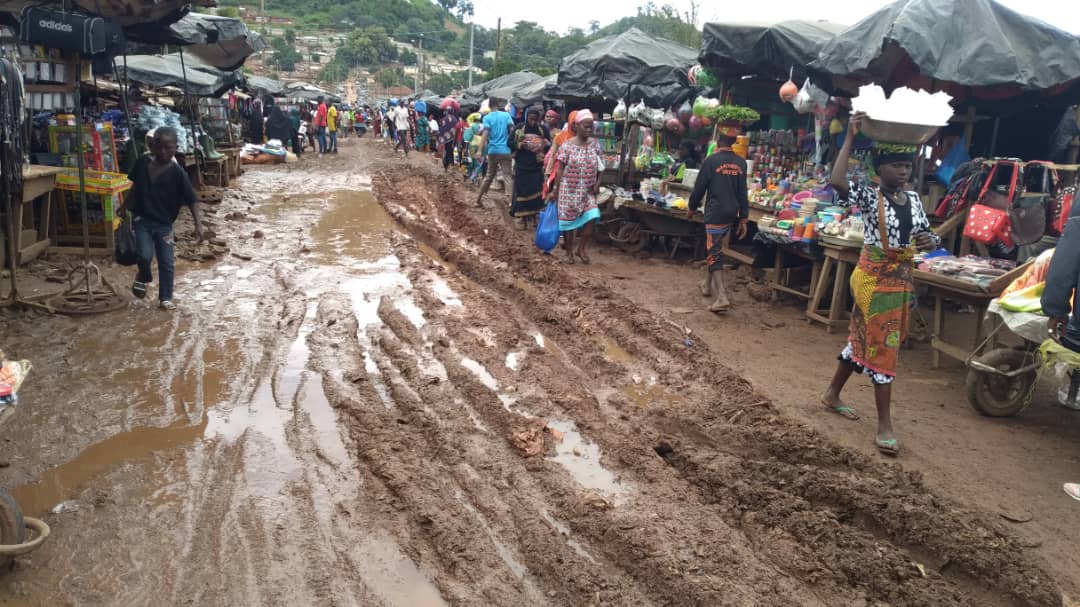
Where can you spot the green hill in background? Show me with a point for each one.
(369, 25)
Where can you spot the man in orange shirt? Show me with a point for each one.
(320, 125)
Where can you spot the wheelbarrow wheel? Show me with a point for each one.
(996, 395)
(12, 526)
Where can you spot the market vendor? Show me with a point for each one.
(894, 226)
(686, 158)
(722, 183)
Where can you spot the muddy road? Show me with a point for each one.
(388, 398)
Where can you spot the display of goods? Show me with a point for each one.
(619, 113)
(706, 79)
(685, 112)
(734, 114)
(985, 224)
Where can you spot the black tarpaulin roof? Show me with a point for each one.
(262, 85)
(203, 80)
(502, 87)
(223, 42)
(733, 50)
(535, 91)
(976, 43)
(631, 66)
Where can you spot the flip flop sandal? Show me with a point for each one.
(1073, 490)
(888, 447)
(717, 309)
(843, 411)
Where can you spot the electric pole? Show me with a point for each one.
(472, 38)
(420, 62)
(498, 47)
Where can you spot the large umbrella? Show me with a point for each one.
(223, 42)
(733, 50)
(975, 48)
(632, 66)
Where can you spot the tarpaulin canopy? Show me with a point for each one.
(534, 92)
(309, 92)
(166, 70)
(502, 87)
(124, 12)
(732, 50)
(223, 42)
(970, 43)
(631, 66)
(264, 86)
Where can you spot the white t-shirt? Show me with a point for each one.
(401, 119)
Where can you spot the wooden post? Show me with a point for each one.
(969, 128)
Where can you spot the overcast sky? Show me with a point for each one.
(558, 15)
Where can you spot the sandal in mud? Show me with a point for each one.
(138, 289)
(1073, 490)
(843, 411)
(887, 446)
(718, 308)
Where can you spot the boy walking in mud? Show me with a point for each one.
(722, 182)
(160, 188)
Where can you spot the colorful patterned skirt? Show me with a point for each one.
(884, 294)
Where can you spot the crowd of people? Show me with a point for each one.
(314, 125)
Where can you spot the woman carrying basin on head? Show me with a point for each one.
(894, 226)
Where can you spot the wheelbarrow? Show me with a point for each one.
(1001, 382)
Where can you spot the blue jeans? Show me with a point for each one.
(155, 239)
(333, 141)
(322, 140)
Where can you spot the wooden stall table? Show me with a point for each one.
(943, 288)
(776, 281)
(840, 260)
(38, 180)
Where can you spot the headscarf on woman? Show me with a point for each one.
(577, 175)
(531, 140)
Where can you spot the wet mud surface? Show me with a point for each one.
(388, 398)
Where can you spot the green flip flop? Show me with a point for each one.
(843, 411)
(888, 447)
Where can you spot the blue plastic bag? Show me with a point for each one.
(547, 228)
(957, 156)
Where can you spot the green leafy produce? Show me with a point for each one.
(735, 113)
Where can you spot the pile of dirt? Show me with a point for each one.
(734, 503)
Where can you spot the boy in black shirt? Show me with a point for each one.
(723, 178)
(160, 188)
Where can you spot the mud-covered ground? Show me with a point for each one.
(386, 397)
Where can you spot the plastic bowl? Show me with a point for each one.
(897, 132)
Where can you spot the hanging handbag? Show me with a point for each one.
(125, 243)
(991, 196)
(985, 223)
(1063, 208)
(1027, 215)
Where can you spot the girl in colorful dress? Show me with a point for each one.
(423, 138)
(894, 226)
(577, 182)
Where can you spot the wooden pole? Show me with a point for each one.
(498, 47)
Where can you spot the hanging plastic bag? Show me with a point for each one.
(619, 113)
(957, 156)
(637, 112)
(547, 228)
(485, 107)
(125, 244)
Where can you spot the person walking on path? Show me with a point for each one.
(495, 140)
(160, 187)
(332, 128)
(894, 226)
(447, 132)
(723, 186)
(531, 142)
(577, 182)
(308, 120)
(320, 125)
(401, 125)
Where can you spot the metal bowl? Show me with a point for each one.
(897, 132)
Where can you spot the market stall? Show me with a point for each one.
(777, 51)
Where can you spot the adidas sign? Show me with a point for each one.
(56, 26)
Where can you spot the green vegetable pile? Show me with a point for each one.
(734, 113)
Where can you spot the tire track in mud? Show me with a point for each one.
(824, 521)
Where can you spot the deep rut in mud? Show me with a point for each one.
(414, 408)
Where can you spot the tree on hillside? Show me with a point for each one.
(388, 77)
(229, 11)
(464, 9)
(440, 84)
(594, 26)
(290, 36)
(285, 55)
(407, 58)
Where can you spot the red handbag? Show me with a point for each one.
(1063, 210)
(985, 224)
